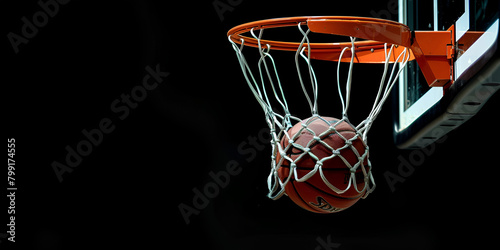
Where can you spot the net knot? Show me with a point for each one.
(369, 121)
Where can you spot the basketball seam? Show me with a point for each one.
(343, 130)
(329, 135)
(325, 169)
(315, 143)
(300, 197)
(339, 197)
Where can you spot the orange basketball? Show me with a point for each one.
(314, 194)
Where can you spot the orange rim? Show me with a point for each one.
(377, 32)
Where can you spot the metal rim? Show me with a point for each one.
(377, 32)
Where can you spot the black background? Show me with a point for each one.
(126, 193)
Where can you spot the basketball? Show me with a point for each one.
(337, 144)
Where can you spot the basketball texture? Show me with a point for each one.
(313, 194)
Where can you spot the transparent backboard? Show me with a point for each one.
(424, 114)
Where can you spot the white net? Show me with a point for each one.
(294, 138)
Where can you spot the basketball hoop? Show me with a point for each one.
(316, 149)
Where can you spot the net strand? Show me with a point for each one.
(345, 105)
(299, 52)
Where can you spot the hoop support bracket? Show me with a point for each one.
(434, 52)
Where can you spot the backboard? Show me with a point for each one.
(423, 114)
